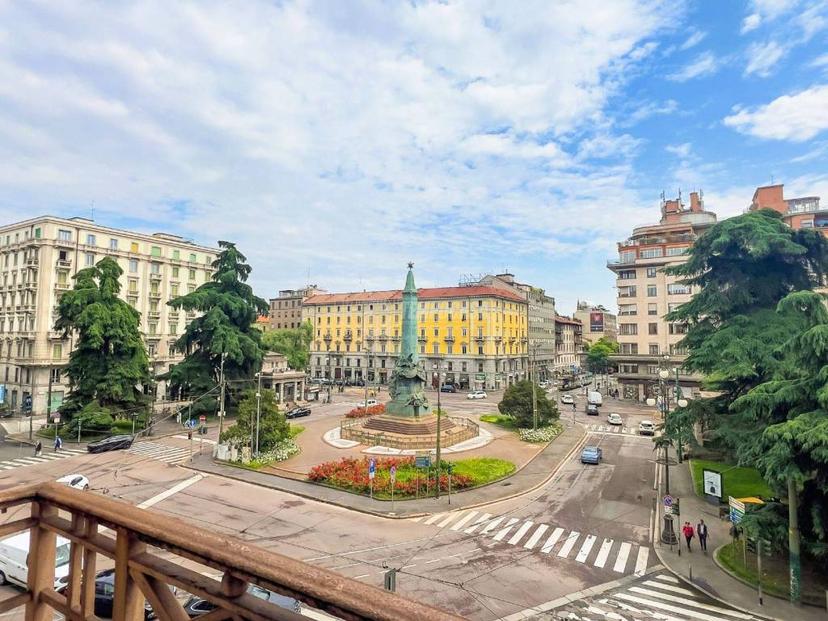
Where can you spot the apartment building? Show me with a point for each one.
(39, 258)
(569, 346)
(799, 213)
(477, 333)
(646, 294)
(597, 322)
(286, 310)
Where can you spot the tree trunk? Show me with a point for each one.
(793, 542)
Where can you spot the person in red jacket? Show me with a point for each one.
(688, 532)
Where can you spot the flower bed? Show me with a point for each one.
(541, 434)
(361, 412)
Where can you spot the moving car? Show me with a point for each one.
(567, 399)
(594, 397)
(77, 481)
(614, 419)
(14, 553)
(297, 412)
(477, 394)
(646, 428)
(448, 388)
(591, 455)
(196, 606)
(104, 595)
(371, 402)
(591, 409)
(112, 443)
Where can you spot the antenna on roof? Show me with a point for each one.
(92, 211)
(771, 179)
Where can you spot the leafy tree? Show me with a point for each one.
(228, 309)
(293, 343)
(597, 360)
(109, 363)
(517, 403)
(273, 428)
(92, 418)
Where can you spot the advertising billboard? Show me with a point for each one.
(596, 322)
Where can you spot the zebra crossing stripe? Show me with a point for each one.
(8, 463)
(417, 519)
(492, 525)
(26, 461)
(641, 560)
(553, 539)
(481, 520)
(533, 540)
(504, 531)
(466, 518)
(668, 578)
(445, 522)
(667, 587)
(690, 602)
(53, 456)
(586, 548)
(668, 608)
(566, 548)
(520, 532)
(621, 559)
(434, 518)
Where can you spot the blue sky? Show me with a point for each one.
(339, 140)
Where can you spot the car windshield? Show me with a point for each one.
(62, 555)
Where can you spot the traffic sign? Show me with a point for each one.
(668, 501)
(202, 419)
(393, 473)
(737, 509)
(372, 468)
(422, 461)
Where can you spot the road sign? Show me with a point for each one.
(393, 473)
(2, 393)
(737, 509)
(712, 483)
(422, 461)
(202, 419)
(56, 418)
(372, 468)
(668, 501)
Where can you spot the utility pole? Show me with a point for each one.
(532, 372)
(439, 418)
(221, 403)
(793, 542)
(258, 409)
(48, 405)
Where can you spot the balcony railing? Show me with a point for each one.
(133, 538)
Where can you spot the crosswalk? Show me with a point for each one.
(612, 429)
(622, 557)
(22, 462)
(656, 596)
(161, 452)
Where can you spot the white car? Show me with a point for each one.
(567, 399)
(614, 419)
(646, 428)
(77, 481)
(477, 394)
(370, 402)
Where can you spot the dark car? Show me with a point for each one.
(104, 592)
(297, 412)
(112, 443)
(592, 409)
(196, 606)
(448, 388)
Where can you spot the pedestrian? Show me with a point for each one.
(688, 534)
(178, 417)
(573, 407)
(58, 443)
(38, 448)
(701, 531)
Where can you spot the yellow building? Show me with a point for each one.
(478, 333)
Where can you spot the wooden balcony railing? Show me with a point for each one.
(152, 552)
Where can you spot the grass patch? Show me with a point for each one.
(506, 422)
(295, 430)
(732, 556)
(737, 482)
(483, 470)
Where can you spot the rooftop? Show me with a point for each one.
(395, 295)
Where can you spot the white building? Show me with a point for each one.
(38, 258)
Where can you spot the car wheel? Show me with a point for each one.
(86, 487)
(3, 579)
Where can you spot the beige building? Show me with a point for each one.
(569, 346)
(646, 294)
(597, 323)
(39, 258)
(286, 310)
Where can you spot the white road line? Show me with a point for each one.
(8, 463)
(170, 492)
(553, 539)
(668, 578)
(26, 462)
(621, 559)
(434, 518)
(361, 576)
(654, 604)
(533, 540)
(465, 520)
(520, 532)
(7, 467)
(691, 602)
(603, 553)
(446, 522)
(667, 587)
(641, 560)
(51, 456)
(567, 546)
(482, 519)
(492, 525)
(417, 519)
(504, 531)
(586, 548)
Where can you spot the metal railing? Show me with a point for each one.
(134, 539)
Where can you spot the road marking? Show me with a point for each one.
(567, 546)
(504, 531)
(27, 461)
(434, 518)
(667, 587)
(654, 604)
(492, 525)
(690, 602)
(533, 540)
(170, 492)
(520, 532)
(603, 553)
(479, 521)
(641, 560)
(668, 578)
(553, 539)
(621, 559)
(445, 522)
(586, 548)
(361, 576)
(417, 519)
(465, 520)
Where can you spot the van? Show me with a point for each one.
(14, 554)
(594, 398)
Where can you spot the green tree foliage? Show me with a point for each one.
(517, 403)
(91, 419)
(227, 311)
(109, 363)
(598, 354)
(293, 343)
(273, 428)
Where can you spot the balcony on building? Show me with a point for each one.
(449, 338)
(348, 335)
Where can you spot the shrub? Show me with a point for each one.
(541, 434)
(361, 412)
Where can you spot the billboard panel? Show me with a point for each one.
(596, 322)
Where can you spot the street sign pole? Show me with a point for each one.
(393, 481)
(372, 465)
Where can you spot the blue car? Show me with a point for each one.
(591, 455)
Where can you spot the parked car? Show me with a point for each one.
(371, 402)
(646, 428)
(196, 606)
(591, 409)
(14, 560)
(297, 412)
(112, 443)
(77, 481)
(614, 419)
(477, 394)
(448, 388)
(104, 595)
(591, 455)
(567, 399)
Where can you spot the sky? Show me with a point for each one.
(333, 142)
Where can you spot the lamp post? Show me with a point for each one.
(258, 409)
(328, 375)
(533, 369)
(438, 367)
(367, 358)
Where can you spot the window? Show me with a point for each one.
(678, 350)
(89, 259)
(90, 240)
(133, 266)
(436, 317)
(449, 316)
(175, 272)
(479, 316)
(652, 308)
(133, 247)
(113, 243)
(449, 350)
(652, 328)
(626, 275)
(677, 250)
(176, 255)
(174, 291)
(651, 272)
(153, 328)
(193, 257)
(192, 275)
(63, 235)
(626, 257)
(671, 306)
(627, 309)
(57, 351)
(677, 289)
(436, 331)
(629, 348)
(627, 292)
(37, 233)
(464, 350)
(155, 251)
(155, 268)
(652, 369)
(173, 328)
(628, 368)
(807, 224)
(436, 348)
(55, 375)
(678, 328)
(653, 349)
(628, 329)
(652, 290)
(650, 253)
(133, 285)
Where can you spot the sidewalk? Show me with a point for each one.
(706, 575)
(530, 477)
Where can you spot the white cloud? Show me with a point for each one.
(680, 150)
(705, 64)
(820, 61)
(649, 109)
(797, 117)
(765, 10)
(693, 40)
(762, 58)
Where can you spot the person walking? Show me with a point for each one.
(38, 448)
(58, 443)
(688, 533)
(701, 531)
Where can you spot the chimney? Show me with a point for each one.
(696, 203)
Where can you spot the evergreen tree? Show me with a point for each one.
(517, 403)
(109, 363)
(293, 343)
(227, 311)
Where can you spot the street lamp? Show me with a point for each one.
(438, 368)
(328, 375)
(258, 409)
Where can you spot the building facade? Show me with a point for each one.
(477, 333)
(799, 213)
(40, 256)
(286, 310)
(646, 294)
(569, 346)
(597, 322)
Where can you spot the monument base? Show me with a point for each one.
(410, 433)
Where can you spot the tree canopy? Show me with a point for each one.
(227, 310)
(109, 363)
(293, 343)
(597, 360)
(517, 403)
(273, 428)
